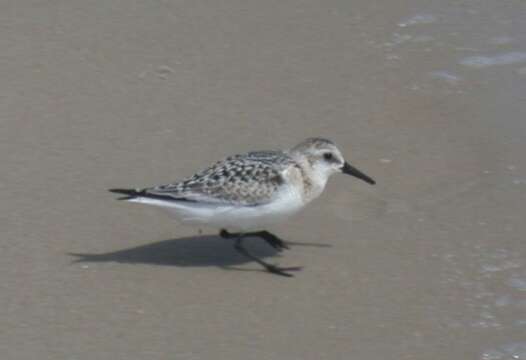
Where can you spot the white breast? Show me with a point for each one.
(239, 218)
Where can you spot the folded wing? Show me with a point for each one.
(245, 180)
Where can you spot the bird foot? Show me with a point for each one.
(282, 270)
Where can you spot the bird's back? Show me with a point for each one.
(247, 179)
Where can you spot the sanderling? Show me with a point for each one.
(243, 193)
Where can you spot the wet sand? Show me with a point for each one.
(426, 97)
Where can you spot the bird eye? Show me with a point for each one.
(328, 156)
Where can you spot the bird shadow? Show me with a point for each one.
(194, 251)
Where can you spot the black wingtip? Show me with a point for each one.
(123, 191)
(130, 193)
(134, 193)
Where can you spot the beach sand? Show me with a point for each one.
(425, 97)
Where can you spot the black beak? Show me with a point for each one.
(351, 170)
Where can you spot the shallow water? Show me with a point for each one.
(427, 97)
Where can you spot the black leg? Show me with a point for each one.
(227, 235)
(269, 267)
(269, 238)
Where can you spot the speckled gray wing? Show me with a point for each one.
(249, 179)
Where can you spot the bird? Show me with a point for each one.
(244, 193)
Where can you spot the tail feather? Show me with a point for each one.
(130, 193)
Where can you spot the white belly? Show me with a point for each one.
(238, 218)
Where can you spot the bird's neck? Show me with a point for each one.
(313, 181)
